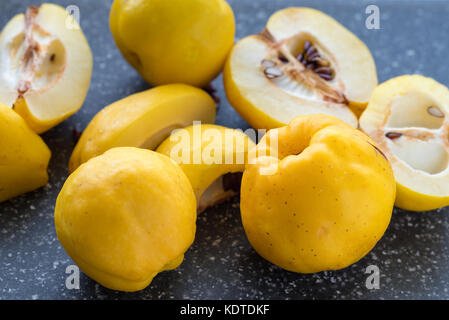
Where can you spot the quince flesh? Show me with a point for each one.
(45, 66)
(408, 117)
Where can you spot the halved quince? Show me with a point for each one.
(408, 117)
(24, 156)
(45, 66)
(318, 196)
(176, 41)
(213, 158)
(143, 120)
(125, 216)
(303, 63)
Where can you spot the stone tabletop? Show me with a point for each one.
(412, 257)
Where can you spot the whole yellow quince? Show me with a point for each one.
(176, 41)
(125, 216)
(318, 196)
(24, 156)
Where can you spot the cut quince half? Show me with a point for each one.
(143, 120)
(24, 156)
(303, 63)
(45, 66)
(213, 158)
(408, 117)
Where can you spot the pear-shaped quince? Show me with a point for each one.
(125, 216)
(319, 195)
(24, 156)
(176, 41)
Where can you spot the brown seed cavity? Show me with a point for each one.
(308, 68)
(311, 59)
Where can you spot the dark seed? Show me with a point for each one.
(436, 112)
(312, 60)
(313, 56)
(52, 57)
(393, 135)
(311, 50)
(268, 63)
(307, 45)
(324, 70)
(283, 59)
(325, 76)
(324, 63)
(310, 66)
(272, 73)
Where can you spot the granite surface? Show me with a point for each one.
(413, 256)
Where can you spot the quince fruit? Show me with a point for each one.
(24, 156)
(408, 117)
(45, 66)
(143, 120)
(212, 157)
(125, 216)
(319, 195)
(303, 63)
(176, 41)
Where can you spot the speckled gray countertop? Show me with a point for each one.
(413, 256)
